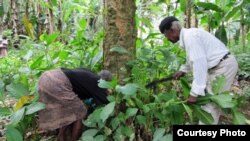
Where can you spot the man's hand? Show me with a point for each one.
(191, 99)
(178, 75)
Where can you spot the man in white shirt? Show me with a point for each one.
(206, 56)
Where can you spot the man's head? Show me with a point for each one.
(105, 75)
(171, 28)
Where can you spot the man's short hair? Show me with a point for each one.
(166, 23)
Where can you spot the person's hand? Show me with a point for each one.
(109, 91)
(178, 75)
(191, 99)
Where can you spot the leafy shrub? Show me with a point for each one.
(244, 65)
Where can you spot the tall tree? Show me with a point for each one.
(120, 36)
(15, 19)
(50, 18)
(188, 13)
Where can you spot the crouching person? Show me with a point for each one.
(63, 91)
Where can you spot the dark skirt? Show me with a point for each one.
(63, 107)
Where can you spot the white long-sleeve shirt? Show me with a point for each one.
(203, 51)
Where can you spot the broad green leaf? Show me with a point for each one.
(111, 98)
(221, 34)
(34, 107)
(6, 6)
(53, 2)
(1, 9)
(137, 21)
(63, 55)
(236, 8)
(202, 100)
(22, 101)
(139, 103)
(131, 112)
(209, 6)
(5, 111)
(105, 84)
(203, 116)
(138, 43)
(147, 22)
(12, 134)
(37, 63)
(1, 88)
(185, 87)
(218, 84)
(89, 133)
(127, 131)
(183, 5)
(189, 111)
(238, 117)
(88, 138)
(17, 116)
(158, 135)
(93, 118)
(224, 100)
(82, 24)
(115, 123)
(141, 119)
(145, 108)
(107, 110)
(120, 50)
(128, 89)
(17, 90)
(96, 59)
(100, 138)
(50, 38)
(168, 137)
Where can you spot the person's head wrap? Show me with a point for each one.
(105, 75)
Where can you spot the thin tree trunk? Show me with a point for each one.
(59, 26)
(1, 17)
(194, 20)
(40, 26)
(50, 19)
(188, 13)
(243, 31)
(120, 33)
(15, 17)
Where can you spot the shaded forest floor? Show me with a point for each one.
(240, 87)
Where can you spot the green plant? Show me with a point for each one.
(244, 65)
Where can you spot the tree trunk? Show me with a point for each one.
(15, 17)
(188, 13)
(50, 19)
(194, 20)
(120, 35)
(1, 17)
(14, 7)
(40, 24)
(243, 30)
(59, 26)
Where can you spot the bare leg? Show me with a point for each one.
(60, 136)
(76, 130)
